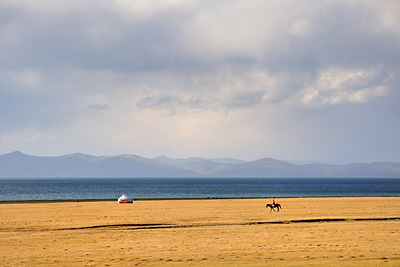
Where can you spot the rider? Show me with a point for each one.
(273, 202)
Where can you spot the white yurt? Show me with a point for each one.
(125, 199)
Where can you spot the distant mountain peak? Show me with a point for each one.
(78, 154)
(16, 153)
(184, 161)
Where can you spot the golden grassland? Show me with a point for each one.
(204, 232)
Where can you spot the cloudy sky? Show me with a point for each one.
(292, 80)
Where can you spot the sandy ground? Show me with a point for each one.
(223, 232)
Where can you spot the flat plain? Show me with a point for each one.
(202, 232)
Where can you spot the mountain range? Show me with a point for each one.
(17, 164)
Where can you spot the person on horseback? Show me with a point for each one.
(273, 205)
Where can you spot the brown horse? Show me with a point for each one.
(273, 206)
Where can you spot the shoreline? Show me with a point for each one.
(34, 201)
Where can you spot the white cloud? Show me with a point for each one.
(301, 27)
(21, 80)
(335, 86)
(29, 78)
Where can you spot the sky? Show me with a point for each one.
(291, 80)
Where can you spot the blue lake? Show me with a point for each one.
(144, 188)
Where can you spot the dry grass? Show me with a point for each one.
(226, 232)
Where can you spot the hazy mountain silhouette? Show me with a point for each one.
(17, 164)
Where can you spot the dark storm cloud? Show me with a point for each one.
(94, 37)
(98, 106)
(97, 36)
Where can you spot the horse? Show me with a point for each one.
(273, 206)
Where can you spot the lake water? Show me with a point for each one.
(155, 188)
